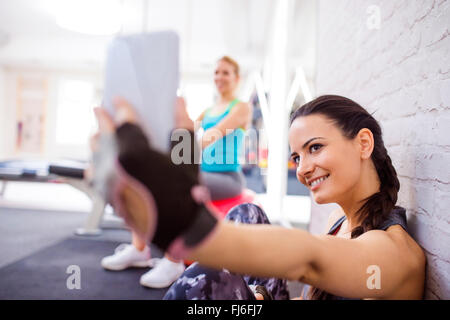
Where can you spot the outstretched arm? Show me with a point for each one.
(343, 267)
(259, 250)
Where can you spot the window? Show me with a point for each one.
(75, 120)
(199, 97)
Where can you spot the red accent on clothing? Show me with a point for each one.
(337, 229)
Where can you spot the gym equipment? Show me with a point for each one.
(63, 171)
(223, 206)
(143, 69)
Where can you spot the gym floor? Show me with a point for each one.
(25, 232)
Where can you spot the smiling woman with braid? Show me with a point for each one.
(340, 156)
(363, 181)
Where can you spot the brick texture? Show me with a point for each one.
(400, 70)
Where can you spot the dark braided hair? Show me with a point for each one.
(350, 118)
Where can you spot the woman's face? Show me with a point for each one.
(225, 77)
(328, 163)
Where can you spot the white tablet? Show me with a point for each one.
(144, 69)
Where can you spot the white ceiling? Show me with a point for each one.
(208, 29)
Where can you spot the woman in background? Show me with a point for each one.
(224, 127)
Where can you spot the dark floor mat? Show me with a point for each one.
(43, 275)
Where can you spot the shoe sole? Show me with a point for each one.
(156, 285)
(123, 267)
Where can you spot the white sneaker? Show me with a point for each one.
(125, 256)
(164, 273)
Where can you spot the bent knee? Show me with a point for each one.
(249, 213)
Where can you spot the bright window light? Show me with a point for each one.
(75, 121)
(199, 96)
(94, 17)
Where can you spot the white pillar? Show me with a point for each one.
(277, 136)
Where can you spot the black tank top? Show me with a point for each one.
(397, 217)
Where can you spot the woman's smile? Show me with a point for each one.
(315, 183)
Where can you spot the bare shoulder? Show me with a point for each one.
(406, 243)
(396, 242)
(243, 106)
(397, 238)
(241, 113)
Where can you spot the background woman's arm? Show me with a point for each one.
(237, 118)
(200, 117)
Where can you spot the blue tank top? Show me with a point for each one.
(397, 217)
(223, 154)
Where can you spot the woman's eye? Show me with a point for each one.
(315, 147)
(296, 160)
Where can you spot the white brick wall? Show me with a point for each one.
(401, 71)
(2, 112)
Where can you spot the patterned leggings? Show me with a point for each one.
(201, 283)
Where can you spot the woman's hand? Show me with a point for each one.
(124, 112)
(259, 296)
(182, 119)
(261, 293)
(160, 200)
